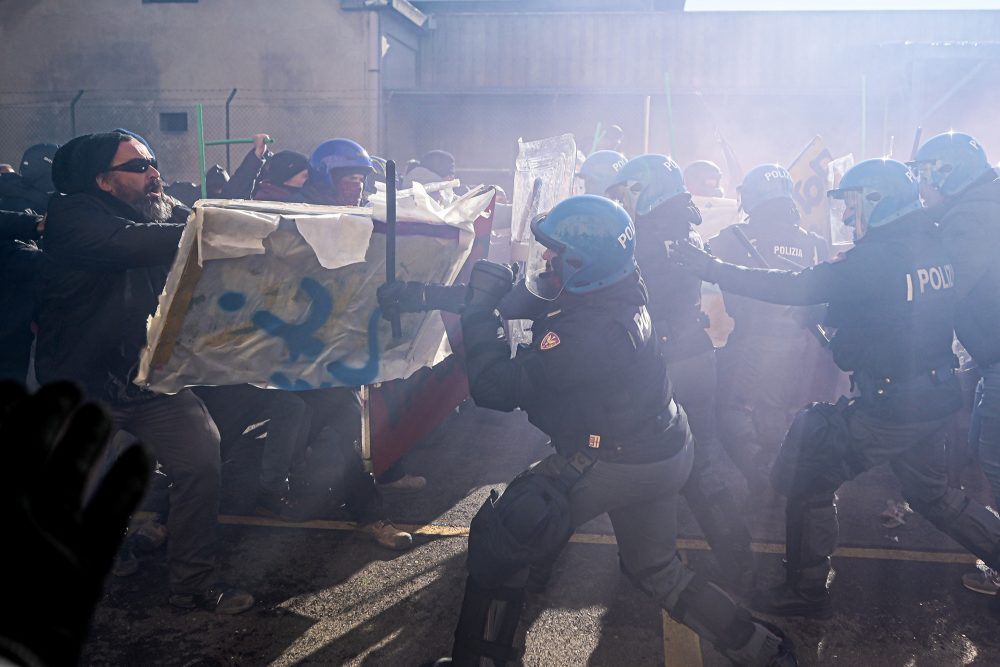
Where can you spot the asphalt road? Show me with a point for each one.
(329, 596)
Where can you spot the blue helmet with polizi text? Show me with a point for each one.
(764, 183)
(876, 193)
(657, 179)
(600, 171)
(950, 162)
(594, 239)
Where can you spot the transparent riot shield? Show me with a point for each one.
(543, 177)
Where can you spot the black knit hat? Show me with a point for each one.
(77, 163)
(138, 137)
(283, 165)
(440, 162)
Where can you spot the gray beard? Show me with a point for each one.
(156, 209)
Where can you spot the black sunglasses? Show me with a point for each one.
(137, 166)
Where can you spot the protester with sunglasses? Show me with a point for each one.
(109, 240)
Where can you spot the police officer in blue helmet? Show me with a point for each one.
(665, 214)
(593, 379)
(962, 192)
(891, 300)
(600, 171)
(337, 172)
(767, 355)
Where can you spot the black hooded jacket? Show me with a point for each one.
(970, 227)
(18, 194)
(105, 268)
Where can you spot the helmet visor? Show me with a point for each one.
(544, 270)
(852, 205)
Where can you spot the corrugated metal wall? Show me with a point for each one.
(767, 81)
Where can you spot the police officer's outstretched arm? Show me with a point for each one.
(817, 284)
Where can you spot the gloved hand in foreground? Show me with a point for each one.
(58, 549)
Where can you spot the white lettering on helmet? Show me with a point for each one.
(626, 235)
(617, 166)
(773, 174)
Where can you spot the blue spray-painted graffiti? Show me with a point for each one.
(232, 301)
(298, 337)
(301, 342)
(365, 374)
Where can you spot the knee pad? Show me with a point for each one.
(814, 454)
(529, 523)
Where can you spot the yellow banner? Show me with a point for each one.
(809, 172)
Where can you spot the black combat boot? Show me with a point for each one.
(789, 599)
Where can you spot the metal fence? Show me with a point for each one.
(296, 121)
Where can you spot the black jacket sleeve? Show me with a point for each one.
(240, 185)
(16, 226)
(19, 262)
(844, 279)
(84, 233)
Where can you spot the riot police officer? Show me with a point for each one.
(764, 359)
(891, 299)
(666, 214)
(962, 193)
(704, 179)
(595, 381)
(600, 171)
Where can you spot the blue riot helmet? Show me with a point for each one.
(704, 178)
(657, 178)
(592, 244)
(949, 163)
(600, 171)
(876, 193)
(764, 183)
(339, 156)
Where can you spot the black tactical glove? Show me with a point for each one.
(401, 297)
(695, 260)
(488, 284)
(58, 549)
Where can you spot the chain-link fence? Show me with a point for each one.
(167, 119)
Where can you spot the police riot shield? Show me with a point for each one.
(543, 177)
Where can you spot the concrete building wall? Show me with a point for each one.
(766, 81)
(303, 72)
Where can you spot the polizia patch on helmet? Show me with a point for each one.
(550, 340)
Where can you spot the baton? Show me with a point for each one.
(390, 239)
